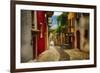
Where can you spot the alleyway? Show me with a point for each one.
(54, 36)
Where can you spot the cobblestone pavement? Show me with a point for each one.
(58, 54)
(76, 54)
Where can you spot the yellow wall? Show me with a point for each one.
(71, 15)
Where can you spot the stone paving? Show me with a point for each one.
(56, 53)
(76, 54)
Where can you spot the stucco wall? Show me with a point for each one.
(84, 42)
(26, 46)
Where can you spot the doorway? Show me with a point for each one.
(78, 39)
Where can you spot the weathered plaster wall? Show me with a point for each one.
(26, 46)
(84, 42)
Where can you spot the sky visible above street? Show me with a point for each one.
(54, 19)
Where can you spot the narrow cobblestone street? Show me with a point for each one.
(56, 53)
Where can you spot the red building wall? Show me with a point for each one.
(41, 26)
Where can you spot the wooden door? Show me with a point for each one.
(41, 26)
